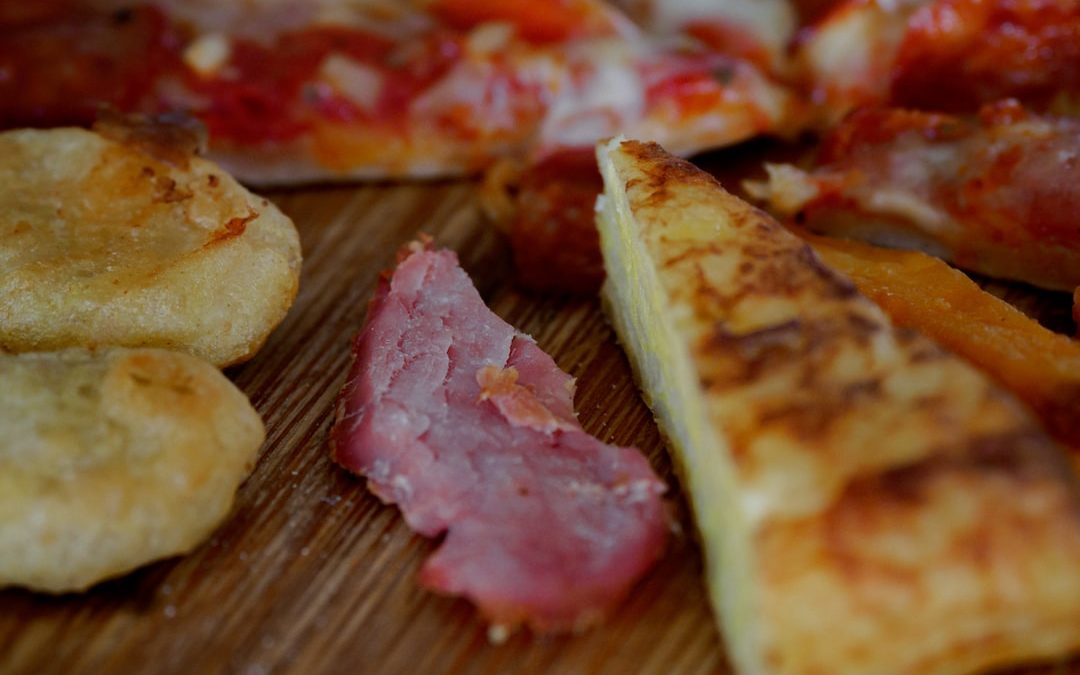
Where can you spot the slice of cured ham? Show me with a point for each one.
(469, 428)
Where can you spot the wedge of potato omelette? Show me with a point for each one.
(867, 502)
(125, 237)
(112, 459)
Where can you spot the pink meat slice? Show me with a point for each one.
(469, 428)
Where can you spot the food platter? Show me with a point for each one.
(311, 573)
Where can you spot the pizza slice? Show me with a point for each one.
(545, 202)
(301, 91)
(867, 502)
(948, 55)
(697, 98)
(997, 194)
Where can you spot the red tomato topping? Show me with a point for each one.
(731, 39)
(27, 13)
(692, 83)
(880, 126)
(270, 91)
(688, 92)
(61, 72)
(535, 20)
(958, 54)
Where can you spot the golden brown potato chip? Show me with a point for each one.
(111, 242)
(110, 460)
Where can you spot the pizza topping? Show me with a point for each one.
(551, 21)
(951, 55)
(270, 91)
(383, 89)
(469, 427)
(361, 84)
(758, 31)
(481, 99)
(207, 54)
(603, 91)
(959, 54)
(690, 99)
(846, 57)
(61, 72)
(489, 38)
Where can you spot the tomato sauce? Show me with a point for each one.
(882, 126)
(539, 21)
(733, 40)
(692, 83)
(959, 54)
(61, 71)
(269, 92)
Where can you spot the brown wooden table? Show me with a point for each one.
(311, 574)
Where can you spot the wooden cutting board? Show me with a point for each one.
(311, 574)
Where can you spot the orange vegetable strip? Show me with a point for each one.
(924, 293)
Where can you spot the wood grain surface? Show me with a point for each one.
(311, 574)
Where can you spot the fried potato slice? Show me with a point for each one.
(118, 241)
(922, 292)
(110, 460)
(867, 502)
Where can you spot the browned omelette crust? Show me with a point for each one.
(902, 513)
(127, 238)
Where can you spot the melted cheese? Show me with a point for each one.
(208, 54)
(598, 100)
(360, 83)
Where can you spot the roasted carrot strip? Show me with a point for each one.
(922, 292)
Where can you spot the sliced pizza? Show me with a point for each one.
(867, 502)
(300, 91)
(545, 203)
(949, 55)
(997, 194)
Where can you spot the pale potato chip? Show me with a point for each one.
(131, 240)
(110, 460)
